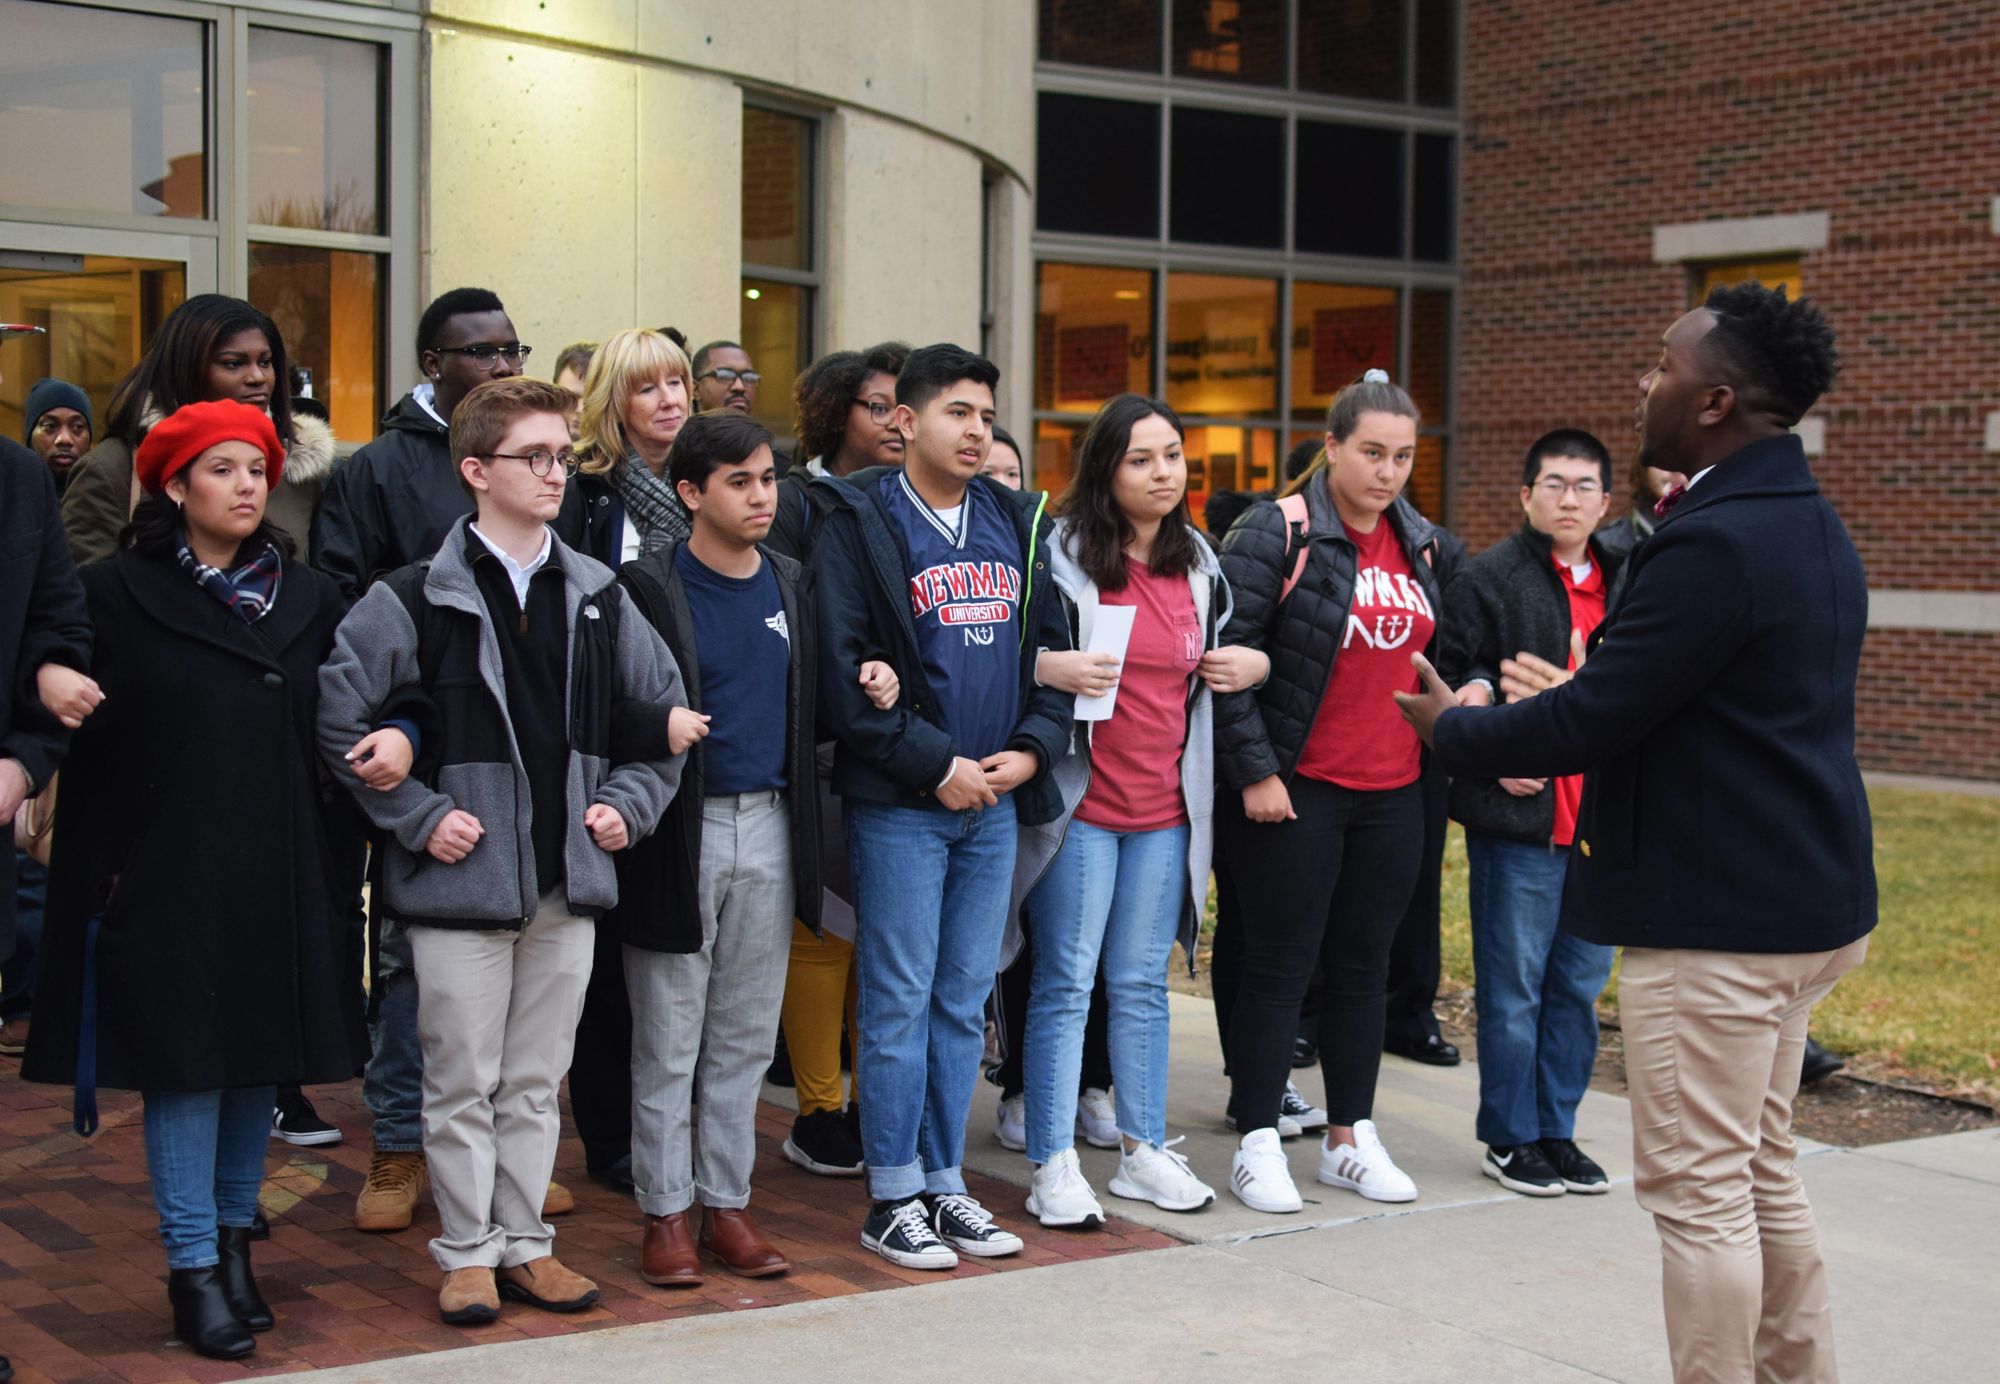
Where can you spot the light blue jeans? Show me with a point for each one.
(205, 1157)
(931, 889)
(1118, 894)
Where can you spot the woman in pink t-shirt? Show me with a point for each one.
(1125, 872)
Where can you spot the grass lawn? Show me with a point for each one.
(1926, 1005)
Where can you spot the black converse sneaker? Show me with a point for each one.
(1578, 1170)
(900, 1231)
(1522, 1168)
(962, 1223)
(296, 1122)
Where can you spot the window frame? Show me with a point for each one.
(812, 278)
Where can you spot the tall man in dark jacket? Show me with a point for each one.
(1539, 591)
(1724, 838)
(938, 570)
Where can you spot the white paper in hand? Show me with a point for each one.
(1110, 632)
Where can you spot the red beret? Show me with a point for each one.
(192, 429)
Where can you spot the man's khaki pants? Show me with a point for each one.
(497, 1013)
(1713, 1045)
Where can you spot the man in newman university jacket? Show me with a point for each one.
(1723, 839)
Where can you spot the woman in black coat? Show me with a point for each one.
(188, 899)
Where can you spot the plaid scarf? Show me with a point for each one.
(251, 590)
(650, 503)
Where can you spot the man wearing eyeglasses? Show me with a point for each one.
(724, 378)
(1538, 595)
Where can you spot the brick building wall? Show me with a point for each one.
(1588, 126)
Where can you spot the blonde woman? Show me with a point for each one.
(638, 392)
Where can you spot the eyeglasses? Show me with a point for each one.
(541, 462)
(877, 410)
(1555, 486)
(728, 376)
(485, 356)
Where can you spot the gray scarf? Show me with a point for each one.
(650, 503)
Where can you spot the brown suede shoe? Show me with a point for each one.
(731, 1237)
(667, 1259)
(468, 1298)
(546, 1284)
(388, 1199)
(558, 1200)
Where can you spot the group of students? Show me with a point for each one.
(651, 748)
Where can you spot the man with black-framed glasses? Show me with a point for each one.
(725, 378)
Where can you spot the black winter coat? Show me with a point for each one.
(1263, 731)
(1722, 807)
(191, 815)
(42, 620)
(659, 879)
(1508, 599)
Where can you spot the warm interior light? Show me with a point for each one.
(753, 294)
(1130, 294)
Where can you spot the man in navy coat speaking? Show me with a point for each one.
(1724, 838)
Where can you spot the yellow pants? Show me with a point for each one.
(819, 988)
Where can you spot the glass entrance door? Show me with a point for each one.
(100, 312)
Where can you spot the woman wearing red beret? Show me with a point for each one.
(192, 950)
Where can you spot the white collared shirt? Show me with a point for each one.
(516, 573)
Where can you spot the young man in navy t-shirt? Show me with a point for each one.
(934, 567)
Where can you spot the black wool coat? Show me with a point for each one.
(192, 815)
(1722, 807)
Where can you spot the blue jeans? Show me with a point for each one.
(205, 1156)
(17, 974)
(393, 1085)
(1536, 993)
(931, 890)
(1118, 895)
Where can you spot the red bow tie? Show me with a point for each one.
(1666, 502)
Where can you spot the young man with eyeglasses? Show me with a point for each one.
(1540, 593)
(724, 378)
(543, 703)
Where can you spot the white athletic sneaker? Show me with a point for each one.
(1365, 1167)
(1299, 1111)
(1060, 1196)
(1097, 1119)
(1010, 1123)
(1260, 1176)
(1161, 1176)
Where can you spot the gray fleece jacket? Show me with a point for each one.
(374, 666)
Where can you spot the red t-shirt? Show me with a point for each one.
(1586, 611)
(1359, 739)
(1135, 757)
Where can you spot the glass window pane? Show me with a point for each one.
(1102, 33)
(1055, 445)
(777, 189)
(1222, 345)
(1350, 191)
(328, 304)
(1221, 458)
(1338, 330)
(1437, 52)
(1430, 354)
(1425, 488)
(1773, 274)
(1093, 335)
(315, 132)
(100, 313)
(1229, 178)
(1435, 206)
(1098, 166)
(1354, 48)
(1230, 40)
(120, 95)
(777, 336)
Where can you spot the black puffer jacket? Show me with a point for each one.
(1262, 732)
(1508, 599)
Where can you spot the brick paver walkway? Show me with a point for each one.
(83, 1278)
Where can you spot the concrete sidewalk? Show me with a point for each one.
(1468, 1283)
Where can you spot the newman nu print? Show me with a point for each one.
(1377, 595)
(972, 595)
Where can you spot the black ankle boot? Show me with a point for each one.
(233, 1244)
(202, 1318)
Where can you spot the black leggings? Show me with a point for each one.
(1014, 1025)
(1329, 888)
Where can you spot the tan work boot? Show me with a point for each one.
(469, 1298)
(388, 1200)
(546, 1284)
(558, 1201)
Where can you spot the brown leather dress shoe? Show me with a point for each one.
(732, 1237)
(667, 1259)
(546, 1284)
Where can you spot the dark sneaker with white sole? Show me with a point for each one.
(296, 1122)
(822, 1143)
(900, 1231)
(1578, 1170)
(964, 1224)
(1522, 1168)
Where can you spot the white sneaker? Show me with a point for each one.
(1060, 1196)
(1161, 1176)
(1097, 1119)
(1299, 1111)
(1010, 1123)
(1260, 1177)
(1288, 1128)
(1365, 1167)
